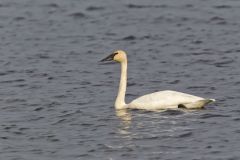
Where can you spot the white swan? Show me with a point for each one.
(154, 101)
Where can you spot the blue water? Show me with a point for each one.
(57, 101)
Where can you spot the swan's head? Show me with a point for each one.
(118, 56)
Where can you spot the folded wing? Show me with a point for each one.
(164, 100)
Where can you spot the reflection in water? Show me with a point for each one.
(124, 128)
(125, 116)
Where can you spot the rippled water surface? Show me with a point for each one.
(57, 101)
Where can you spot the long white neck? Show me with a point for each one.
(120, 100)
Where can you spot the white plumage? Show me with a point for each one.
(168, 99)
(154, 101)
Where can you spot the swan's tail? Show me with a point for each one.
(198, 104)
(211, 100)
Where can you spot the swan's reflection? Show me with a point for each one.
(125, 116)
(124, 128)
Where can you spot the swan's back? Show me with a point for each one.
(163, 100)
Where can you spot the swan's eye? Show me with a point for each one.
(110, 57)
(113, 55)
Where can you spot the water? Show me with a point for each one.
(57, 100)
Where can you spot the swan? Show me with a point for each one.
(154, 101)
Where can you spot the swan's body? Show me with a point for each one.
(168, 99)
(154, 101)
